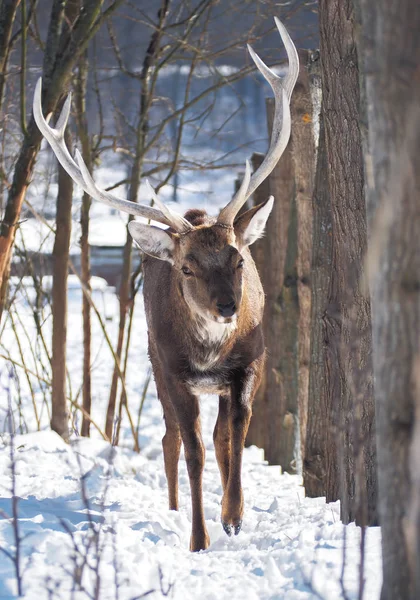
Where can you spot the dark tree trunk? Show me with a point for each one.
(390, 40)
(347, 318)
(83, 132)
(59, 414)
(317, 432)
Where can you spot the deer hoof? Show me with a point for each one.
(237, 528)
(227, 527)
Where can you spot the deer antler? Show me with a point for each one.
(281, 126)
(79, 172)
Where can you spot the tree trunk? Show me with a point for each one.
(276, 402)
(83, 132)
(283, 260)
(258, 425)
(303, 154)
(391, 69)
(59, 414)
(152, 53)
(315, 456)
(347, 318)
(8, 10)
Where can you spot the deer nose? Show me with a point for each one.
(226, 310)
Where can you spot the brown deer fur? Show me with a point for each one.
(192, 353)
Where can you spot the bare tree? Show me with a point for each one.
(59, 414)
(61, 255)
(391, 57)
(83, 134)
(146, 96)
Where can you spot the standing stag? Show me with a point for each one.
(204, 307)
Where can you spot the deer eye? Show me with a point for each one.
(186, 271)
(240, 264)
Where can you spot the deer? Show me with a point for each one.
(204, 306)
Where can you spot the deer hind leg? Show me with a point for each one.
(221, 438)
(243, 392)
(171, 441)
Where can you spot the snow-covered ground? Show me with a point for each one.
(97, 515)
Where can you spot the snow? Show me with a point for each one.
(87, 508)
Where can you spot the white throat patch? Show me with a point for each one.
(214, 332)
(212, 335)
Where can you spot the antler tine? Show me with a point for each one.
(55, 136)
(228, 214)
(180, 224)
(280, 135)
(80, 173)
(166, 217)
(292, 56)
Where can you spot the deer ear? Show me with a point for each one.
(251, 224)
(152, 240)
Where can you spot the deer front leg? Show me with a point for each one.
(243, 391)
(187, 410)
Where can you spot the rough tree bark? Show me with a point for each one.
(316, 444)
(303, 154)
(283, 260)
(347, 318)
(391, 49)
